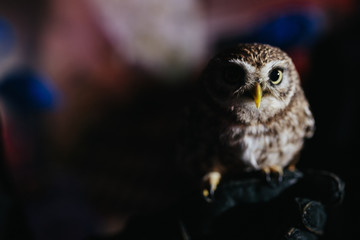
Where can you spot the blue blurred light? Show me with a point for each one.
(27, 91)
(6, 38)
(286, 30)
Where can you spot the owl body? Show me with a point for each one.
(275, 142)
(251, 112)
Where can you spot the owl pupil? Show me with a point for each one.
(234, 75)
(274, 75)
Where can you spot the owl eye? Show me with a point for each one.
(276, 76)
(234, 75)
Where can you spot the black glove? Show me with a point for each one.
(249, 208)
(252, 208)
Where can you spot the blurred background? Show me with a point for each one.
(92, 100)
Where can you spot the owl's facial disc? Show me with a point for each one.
(252, 82)
(266, 90)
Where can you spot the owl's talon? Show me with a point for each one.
(211, 181)
(266, 171)
(272, 172)
(208, 194)
(292, 168)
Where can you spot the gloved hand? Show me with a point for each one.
(247, 208)
(252, 208)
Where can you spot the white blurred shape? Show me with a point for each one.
(166, 37)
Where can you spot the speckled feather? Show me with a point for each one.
(234, 135)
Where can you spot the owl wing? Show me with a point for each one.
(309, 123)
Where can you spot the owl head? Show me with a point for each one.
(253, 82)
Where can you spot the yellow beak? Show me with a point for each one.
(257, 95)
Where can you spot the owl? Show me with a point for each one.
(251, 114)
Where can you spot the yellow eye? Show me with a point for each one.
(276, 76)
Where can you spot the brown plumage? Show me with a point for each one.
(251, 113)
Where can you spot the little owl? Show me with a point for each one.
(251, 114)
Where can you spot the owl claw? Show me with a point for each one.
(292, 168)
(272, 172)
(211, 181)
(208, 194)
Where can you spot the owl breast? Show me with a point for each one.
(258, 146)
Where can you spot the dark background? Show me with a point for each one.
(92, 106)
